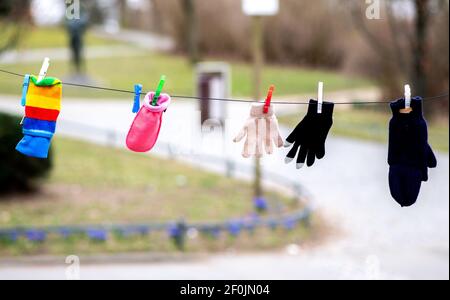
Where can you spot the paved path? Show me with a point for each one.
(142, 39)
(63, 54)
(379, 239)
(134, 43)
(320, 264)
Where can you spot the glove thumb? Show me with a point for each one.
(431, 158)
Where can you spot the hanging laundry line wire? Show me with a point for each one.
(438, 97)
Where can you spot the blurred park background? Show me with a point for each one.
(194, 193)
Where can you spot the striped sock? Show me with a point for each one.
(42, 107)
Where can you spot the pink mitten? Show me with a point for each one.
(145, 129)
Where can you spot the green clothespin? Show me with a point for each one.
(162, 81)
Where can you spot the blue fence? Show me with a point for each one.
(176, 228)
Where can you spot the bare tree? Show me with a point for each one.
(419, 44)
(409, 45)
(192, 30)
(13, 15)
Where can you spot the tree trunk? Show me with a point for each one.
(192, 32)
(258, 60)
(420, 47)
(13, 18)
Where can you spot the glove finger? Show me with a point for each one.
(425, 174)
(268, 136)
(251, 138)
(268, 145)
(302, 157)
(240, 135)
(260, 137)
(274, 132)
(250, 142)
(292, 153)
(291, 138)
(320, 151)
(278, 140)
(295, 134)
(287, 144)
(246, 150)
(311, 158)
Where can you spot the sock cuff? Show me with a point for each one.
(163, 102)
(41, 125)
(257, 110)
(327, 107)
(46, 82)
(41, 113)
(38, 133)
(416, 105)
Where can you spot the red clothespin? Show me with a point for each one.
(268, 99)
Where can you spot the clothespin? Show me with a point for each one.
(407, 96)
(137, 98)
(26, 84)
(407, 108)
(320, 98)
(158, 91)
(268, 99)
(44, 69)
(42, 74)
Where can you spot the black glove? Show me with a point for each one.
(410, 155)
(310, 135)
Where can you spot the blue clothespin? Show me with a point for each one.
(26, 84)
(137, 98)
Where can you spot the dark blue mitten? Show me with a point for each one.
(410, 155)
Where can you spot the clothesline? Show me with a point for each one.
(438, 97)
(409, 153)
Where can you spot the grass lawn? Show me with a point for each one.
(147, 68)
(97, 185)
(373, 125)
(123, 73)
(56, 37)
